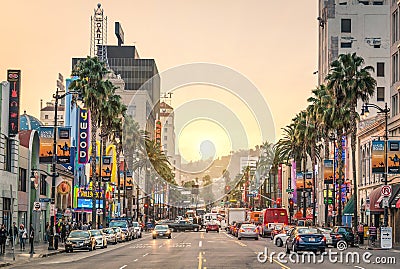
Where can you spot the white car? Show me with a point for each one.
(138, 229)
(280, 239)
(101, 240)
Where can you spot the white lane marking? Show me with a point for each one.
(359, 267)
(200, 244)
(144, 255)
(123, 267)
(135, 260)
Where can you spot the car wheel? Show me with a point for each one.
(206, 231)
(239, 238)
(91, 248)
(71, 250)
(217, 231)
(256, 238)
(154, 237)
(169, 237)
(279, 242)
(322, 250)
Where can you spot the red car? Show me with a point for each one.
(212, 227)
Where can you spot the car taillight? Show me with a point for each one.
(256, 230)
(338, 236)
(241, 230)
(324, 239)
(298, 238)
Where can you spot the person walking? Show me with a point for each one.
(22, 234)
(31, 238)
(3, 238)
(63, 232)
(13, 234)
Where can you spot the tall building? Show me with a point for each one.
(363, 27)
(47, 112)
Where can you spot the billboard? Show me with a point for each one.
(129, 181)
(97, 168)
(300, 180)
(83, 136)
(64, 145)
(393, 154)
(14, 78)
(377, 157)
(328, 171)
(87, 203)
(158, 132)
(106, 168)
(46, 135)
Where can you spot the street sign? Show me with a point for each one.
(386, 190)
(385, 202)
(386, 237)
(36, 206)
(251, 195)
(289, 190)
(44, 200)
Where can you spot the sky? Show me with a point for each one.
(271, 43)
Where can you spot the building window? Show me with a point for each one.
(378, 3)
(364, 2)
(8, 154)
(165, 129)
(7, 213)
(395, 67)
(395, 105)
(46, 117)
(346, 25)
(345, 45)
(380, 94)
(22, 179)
(395, 26)
(131, 110)
(165, 137)
(380, 69)
(43, 185)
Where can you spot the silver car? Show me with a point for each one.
(101, 240)
(111, 236)
(248, 231)
(138, 229)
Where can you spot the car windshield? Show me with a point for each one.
(308, 231)
(95, 232)
(78, 234)
(108, 231)
(120, 224)
(161, 227)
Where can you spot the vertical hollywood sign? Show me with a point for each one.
(83, 139)
(158, 132)
(14, 78)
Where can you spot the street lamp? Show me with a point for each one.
(365, 112)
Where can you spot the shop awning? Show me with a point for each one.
(395, 196)
(349, 208)
(375, 198)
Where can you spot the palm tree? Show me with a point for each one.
(94, 89)
(159, 160)
(351, 82)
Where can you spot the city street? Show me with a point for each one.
(192, 250)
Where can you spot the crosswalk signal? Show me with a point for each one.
(291, 204)
(278, 202)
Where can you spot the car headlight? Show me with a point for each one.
(154, 232)
(68, 242)
(168, 231)
(87, 241)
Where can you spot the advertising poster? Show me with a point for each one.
(393, 160)
(129, 181)
(300, 180)
(378, 156)
(14, 78)
(328, 171)
(46, 144)
(106, 168)
(83, 138)
(64, 145)
(97, 168)
(158, 132)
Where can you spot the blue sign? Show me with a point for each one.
(87, 203)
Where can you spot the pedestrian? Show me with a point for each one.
(63, 232)
(22, 234)
(47, 232)
(13, 234)
(31, 238)
(3, 239)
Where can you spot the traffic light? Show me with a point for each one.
(227, 188)
(278, 202)
(146, 205)
(291, 205)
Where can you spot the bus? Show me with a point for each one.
(270, 217)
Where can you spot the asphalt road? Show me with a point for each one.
(199, 250)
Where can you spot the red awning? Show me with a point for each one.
(375, 197)
(398, 204)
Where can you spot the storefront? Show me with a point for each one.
(375, 217)
(394, 206)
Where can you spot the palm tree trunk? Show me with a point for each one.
(93, 164)
(304, 183)
(339, 180)
(353, 162)
(314, 181)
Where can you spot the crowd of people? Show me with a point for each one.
(14, 233)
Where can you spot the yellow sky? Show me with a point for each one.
(272, 43)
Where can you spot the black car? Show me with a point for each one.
(342, 233)
(78, 239)
(305, 239)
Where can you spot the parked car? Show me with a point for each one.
(342, 233)
(111, 236)
(280, 239)
(161, 231)
(138, 229)
(212, 226)
(248, 231)
(327, 233)
(101, 240)
(305, 239)
(120, 234)
(125, 226)
(78, 240)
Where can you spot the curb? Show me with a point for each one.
(51, 254)
(5, 264)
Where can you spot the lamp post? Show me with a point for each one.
(332, 137)
(365, 112)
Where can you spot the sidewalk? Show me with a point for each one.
(40, 249)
